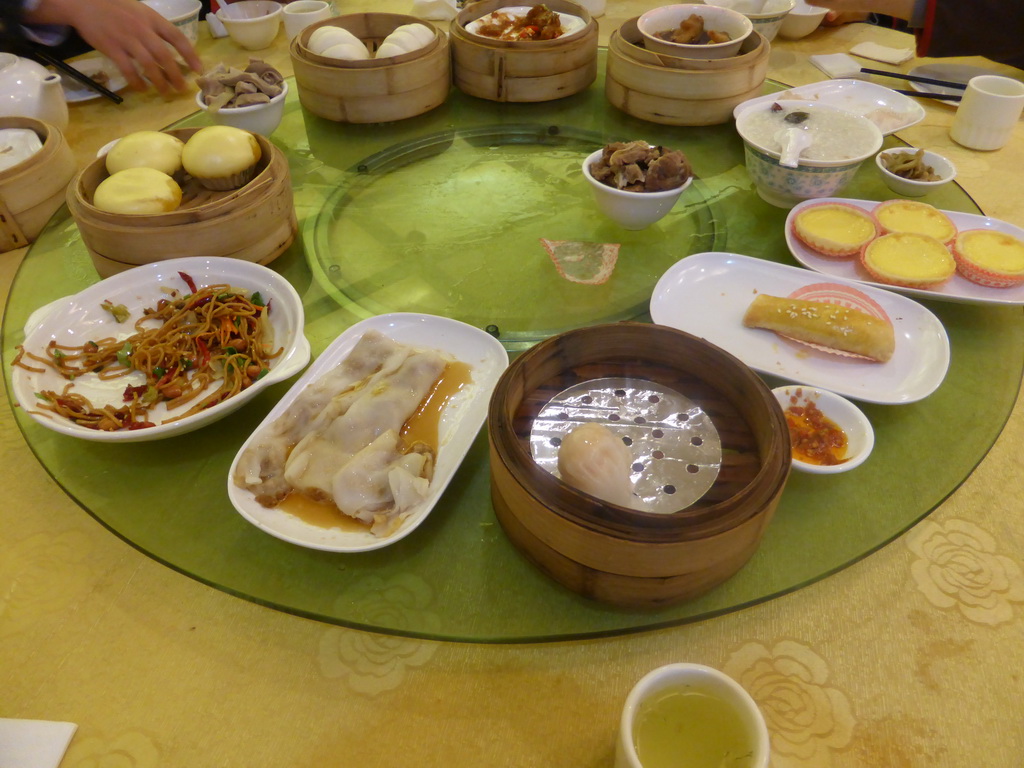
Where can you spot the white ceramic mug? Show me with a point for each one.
(702, 678)
(988, 112)
(299, 14)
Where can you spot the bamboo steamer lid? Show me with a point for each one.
(371, 90)
(523, 71)
(256, 222)
(33, 190)
(626, 557)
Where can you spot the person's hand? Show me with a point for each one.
(849, 9)
(131, 34)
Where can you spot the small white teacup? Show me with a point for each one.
(299, 14)
(658, 710)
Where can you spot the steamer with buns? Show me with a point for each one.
(371, 90)
(256, 222)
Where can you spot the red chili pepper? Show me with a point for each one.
(189, 282)
(130, 392)
(204, 353)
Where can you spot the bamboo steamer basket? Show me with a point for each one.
(371, 90)
(33, 190)
(255, 223)
(523, 71)
(612, 554)
(659, 89)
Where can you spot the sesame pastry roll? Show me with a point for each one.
(830, 325)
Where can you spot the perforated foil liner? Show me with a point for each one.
(677, 452)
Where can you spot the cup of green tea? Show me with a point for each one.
(694, 716)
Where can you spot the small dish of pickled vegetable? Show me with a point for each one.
(914, 172)
(828, 433)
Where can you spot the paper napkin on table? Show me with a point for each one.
(837, 65)
(882, 53)
(33, 743)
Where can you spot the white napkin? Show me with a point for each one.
(435, 10)
(837, 65)
(882, 53)
(33, 743)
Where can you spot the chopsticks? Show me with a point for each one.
(81, 77)
(915, 79)
(926, 95)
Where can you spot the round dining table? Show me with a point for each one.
(909, 655)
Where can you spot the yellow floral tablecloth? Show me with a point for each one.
(912, 657)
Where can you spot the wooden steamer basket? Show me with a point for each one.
(33, 190)
(524, 71)
(371, 90)
(256, 222)
(676, 91)
(621, 556)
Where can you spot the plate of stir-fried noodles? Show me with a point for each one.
(159, 350)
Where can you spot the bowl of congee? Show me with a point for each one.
(832, 144)
(694, 31)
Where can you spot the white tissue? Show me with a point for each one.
(837, 65)
(34, 743)
(435, 10)
(883, 53)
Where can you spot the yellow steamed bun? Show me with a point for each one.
(221, 156)
(137, 191)
(146, 149)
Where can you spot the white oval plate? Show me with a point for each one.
(889, 110)
(75, 92)
(707, 294)
(458, 427)
(77, 318)
(957, 289)
(570, 24)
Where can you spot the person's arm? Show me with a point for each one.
(131, 34)
(899, 9)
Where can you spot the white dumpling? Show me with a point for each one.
(323, 38)
(594, 460)
(347, 52)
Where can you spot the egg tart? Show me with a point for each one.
(908, 259)
(834, 229)
(993, 259)
(915, 216)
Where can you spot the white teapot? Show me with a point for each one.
(28, 89)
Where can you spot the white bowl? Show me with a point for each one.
(812, 178)
(184, 14)
(767, 16)
(913, 187)
(299, 14)
(252, 24)
(801, 21)
(257, 118)
(631, 210)
(76, 318)
(667, 17)
(696, 678)
(844, 414)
